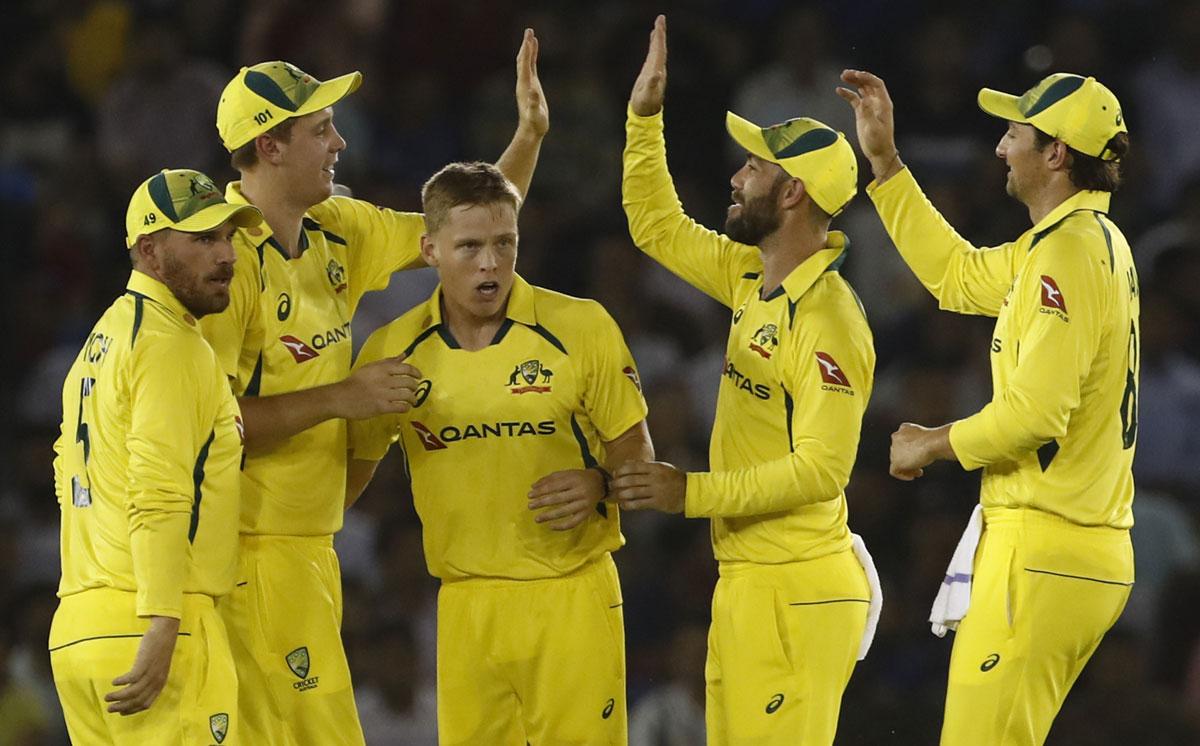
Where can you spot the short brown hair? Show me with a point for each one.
(475, 183)
(1088, 171)
(247, 155)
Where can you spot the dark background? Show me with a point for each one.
(96, 96)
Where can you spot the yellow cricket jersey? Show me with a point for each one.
(553, 386)
(146, 465)
(799, 368)
(288, 328)
(1060, 430)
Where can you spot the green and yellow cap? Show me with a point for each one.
(808, 150)
(1080, 111)
(263, 95)
(185, 200)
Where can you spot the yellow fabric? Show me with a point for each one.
(94, 638)
(1045, 592)
(146, 465)
(506, 681)
(1063, 378)
(556, 383)
(787, 428)
(288, 328)
(284, 620)
(783, 643)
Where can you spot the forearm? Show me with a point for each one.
(961, 277)
(519, 159)
(270, 419)
(158, 541)
(632, 445)
(798, 479)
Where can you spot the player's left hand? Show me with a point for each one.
(915, 447)
(566, 498)
(145, 681)
(532, 110)
(650, 485)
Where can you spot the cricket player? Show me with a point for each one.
(146, 472)
(791, 605)
(1054, 565)
(285, 344)
(528, 400)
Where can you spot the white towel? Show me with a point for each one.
(954, 596)
(876, 605)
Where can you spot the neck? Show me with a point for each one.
(787, 248)
(470, 331)
(284, 216)
(1045, 200)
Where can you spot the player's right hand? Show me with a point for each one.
(387, 386)
(532, 110)
(651, 85)
(145, 681)
(872, 105)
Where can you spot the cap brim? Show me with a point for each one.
(242, 216)
(1002, 105)
(330, 92)
(749, 135)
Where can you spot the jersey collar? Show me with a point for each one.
(1081, 200)
(520, 303)
(800, 279)
(262, 232)
(143, 284)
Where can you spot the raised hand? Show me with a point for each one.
(651, 84)
(873, 119)
(532, 110)
(387, 386)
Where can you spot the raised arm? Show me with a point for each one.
(520, 157)
(961, 277)
(658, 225)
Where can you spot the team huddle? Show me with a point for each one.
(215, 429)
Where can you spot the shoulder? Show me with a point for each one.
(398, 335)
(831, 304)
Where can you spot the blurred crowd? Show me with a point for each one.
(95, 95)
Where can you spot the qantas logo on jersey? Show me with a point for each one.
(529, 372)
(744, 383)
(426, 436)
(454, 433)
(301, 351)
(305, 351)
(764, 340)
(337, 275)
(632, 375)
(832, 375)
(1053, 302)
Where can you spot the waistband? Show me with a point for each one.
(602, 565)
(254, 541)
(1008, 517)
(106, 613)
(740, 568)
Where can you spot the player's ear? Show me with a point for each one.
(269, 148)
(429, 250)
(792, 193)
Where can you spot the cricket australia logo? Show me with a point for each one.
(219, 725)
(529, 372)
(297, 660)
(337, 275)
(764, 340)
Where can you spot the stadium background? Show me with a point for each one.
(95, 95)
